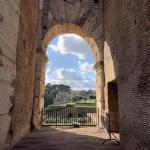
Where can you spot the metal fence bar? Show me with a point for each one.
(68, 116)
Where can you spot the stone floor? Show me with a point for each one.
(66, 138)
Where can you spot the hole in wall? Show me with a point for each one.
(1, 63)
(44, 27)
(46, 13)
(95, 1)
(135, 21)
(1, 18)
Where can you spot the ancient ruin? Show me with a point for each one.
(118, 32)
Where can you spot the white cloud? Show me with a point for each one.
(72, 44)
(67, 74)
(72, 78)
(47, 72)
(85, 67)
(78, 79)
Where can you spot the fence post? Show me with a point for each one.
(56, 117)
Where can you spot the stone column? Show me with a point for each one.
(100, 84)
(38, 102)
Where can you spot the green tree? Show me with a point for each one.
(52, 90)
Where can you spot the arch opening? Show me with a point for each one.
(53, 32)
(70, 49)
(82, 96)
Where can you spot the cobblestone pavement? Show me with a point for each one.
(66, 138)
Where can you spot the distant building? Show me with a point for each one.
(83, 93)
(62, 97)
(93, 93)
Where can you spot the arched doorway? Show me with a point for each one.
(52, 33)
(70, 82)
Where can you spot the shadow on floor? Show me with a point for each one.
(63, 139)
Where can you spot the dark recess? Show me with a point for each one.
(95, 1)
(44, 27)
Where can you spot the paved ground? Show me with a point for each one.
(66, 138)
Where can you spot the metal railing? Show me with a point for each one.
(70, 116)
(105, 120)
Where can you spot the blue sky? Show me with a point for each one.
(70, 62)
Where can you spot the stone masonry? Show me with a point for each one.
(119, 34)
(9, 27)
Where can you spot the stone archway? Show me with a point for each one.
(40, 65)
(76, 16)
(83, 18)
(72, 28)
(127, 33)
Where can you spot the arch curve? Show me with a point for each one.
(75, 29)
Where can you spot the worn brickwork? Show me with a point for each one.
(9, 27)
(110, 94)
(85, 14)
(127, 33)
(109, 71)
(100, 84)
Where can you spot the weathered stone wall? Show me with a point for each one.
(110, 94)
(85, 14)
(84, 18)
(9, 27)
(39, 89)
(127, 33)
(100, 84)
(109, 72)
(126, 57)
(25, 70)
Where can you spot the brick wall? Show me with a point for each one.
(127, 33)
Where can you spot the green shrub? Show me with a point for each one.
(69, 105)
